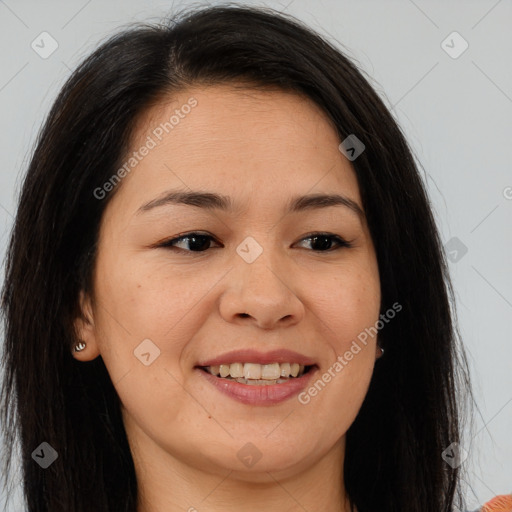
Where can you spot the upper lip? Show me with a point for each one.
(254, 356)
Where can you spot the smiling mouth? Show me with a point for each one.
(258, 374)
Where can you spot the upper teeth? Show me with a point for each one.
(271, 371)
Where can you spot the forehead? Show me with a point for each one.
(231, 102)
(260, 144)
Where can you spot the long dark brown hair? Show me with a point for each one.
(411, 412)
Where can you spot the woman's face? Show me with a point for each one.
(253, 288)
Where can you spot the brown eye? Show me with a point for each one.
(191, 242)
(323, 242)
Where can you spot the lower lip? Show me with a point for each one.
(259, 395)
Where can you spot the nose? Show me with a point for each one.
(261, 293)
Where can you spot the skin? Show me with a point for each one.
(183, 433)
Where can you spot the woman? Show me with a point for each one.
(177, 337)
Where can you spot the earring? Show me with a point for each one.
(381, 352)
(80, 346)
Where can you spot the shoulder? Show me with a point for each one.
(502, 503)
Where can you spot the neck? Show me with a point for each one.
(167, 483)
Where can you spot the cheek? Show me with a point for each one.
(347, 307)
(347, 310)
(155, 309)
(145, 320)
(150, 302)
(347, 303)
(335, 404)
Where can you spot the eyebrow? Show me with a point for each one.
(213, 201)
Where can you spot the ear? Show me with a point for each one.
(379, 351)
(85, 330)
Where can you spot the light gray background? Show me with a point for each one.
(456, 113)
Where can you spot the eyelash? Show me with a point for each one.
(168, 244)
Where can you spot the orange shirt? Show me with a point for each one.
(499, 504)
